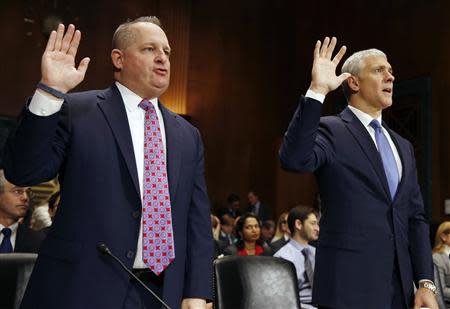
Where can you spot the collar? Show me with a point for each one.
(365, 119)
(13, 227)
(131, 99)
(298, 245)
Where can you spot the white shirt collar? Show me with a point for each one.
(13, 227)
(365, 119)
(131, 99)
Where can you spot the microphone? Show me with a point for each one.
(103, 249)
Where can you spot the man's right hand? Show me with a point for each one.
(323, 73)
(58, 61)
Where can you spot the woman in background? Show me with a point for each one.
(441, 260)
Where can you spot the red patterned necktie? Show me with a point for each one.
(158, 249)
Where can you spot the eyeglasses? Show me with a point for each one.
(21, 191)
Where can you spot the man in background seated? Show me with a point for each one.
(14, 204)
(226, 229)
(304, 226)
(259, 209)
(232, 208)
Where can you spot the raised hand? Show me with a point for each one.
(58, 61)
(323, 73)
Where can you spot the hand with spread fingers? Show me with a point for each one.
(324, 77)
(58, 61)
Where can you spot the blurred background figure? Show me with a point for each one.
(267, 231)
(262, 211)
(219, 245)
(232, 207)
(248, 233)
(282, 233)
(227, 229)
(441, 260)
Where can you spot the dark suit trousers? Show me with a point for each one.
(139, 298)
(396, 301)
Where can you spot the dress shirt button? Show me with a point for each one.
(136, 214)
(130, 254)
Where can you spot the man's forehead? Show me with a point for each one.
(376, 60)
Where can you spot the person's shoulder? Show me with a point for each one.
(285, 252)
(440, 258)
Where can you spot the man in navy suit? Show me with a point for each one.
(374, 240)
(94, 142)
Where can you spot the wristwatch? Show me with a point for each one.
(429, 285)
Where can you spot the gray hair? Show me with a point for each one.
(353, 65)
(123, 36)
(2, 180)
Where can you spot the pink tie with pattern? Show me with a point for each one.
(158, 249)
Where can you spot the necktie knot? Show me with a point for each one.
(7, 232)
(375, 124)
(145, 105)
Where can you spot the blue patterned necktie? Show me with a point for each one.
(6, 246)
(387, 157)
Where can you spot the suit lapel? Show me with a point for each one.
(364, 139)
(173, 145)
(112, 106)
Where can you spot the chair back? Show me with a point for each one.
(255, 282)
(15, 271)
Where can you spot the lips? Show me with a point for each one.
(387, 90)
(160, 71)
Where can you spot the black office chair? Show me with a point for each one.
(255, 282)
(15, 271)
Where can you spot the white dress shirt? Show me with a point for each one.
(13, 228)
(44, 106)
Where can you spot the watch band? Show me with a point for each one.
(429, 285)
(51, 90)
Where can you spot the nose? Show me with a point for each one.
(390, 77)
(161, 56)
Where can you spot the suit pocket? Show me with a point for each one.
(61, 249)
(342, 241)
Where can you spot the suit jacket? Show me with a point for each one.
(265, 212)
(278, 244)
(27, 240)
(362, 230)
(442, 278)
(89, 144)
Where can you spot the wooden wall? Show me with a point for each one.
(238, 69)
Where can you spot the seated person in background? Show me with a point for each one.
(441, 260)
(219, 245)
(267, 231)
(282, 234)
(232, 208)
(14, 204)
(226, 229)
(262, 211)
(248, 232)
(304, 226)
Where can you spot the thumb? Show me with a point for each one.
(83, 65)
(343, 77)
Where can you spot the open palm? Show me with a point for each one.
(323, 73)
(58, 61)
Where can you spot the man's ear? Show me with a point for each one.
(353, 83)
(117, 58)
(298, 224)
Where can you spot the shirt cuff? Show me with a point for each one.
(42, 105)
(314, 95)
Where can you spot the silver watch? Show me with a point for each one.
(429, 285)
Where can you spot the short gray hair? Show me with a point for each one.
(123, 36)
(353, 65)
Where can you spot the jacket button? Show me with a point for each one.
(130, 254)
(136, 214)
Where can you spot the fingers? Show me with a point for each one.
(343, 77)
(51, 41)
(67, 38)
(317, 49)
(323, 50)
(339, 55)
(330, 48)
(82, 68)
(75, 43)
(59, 36)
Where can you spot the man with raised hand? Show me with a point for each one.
(373, 240)
(131, 175)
